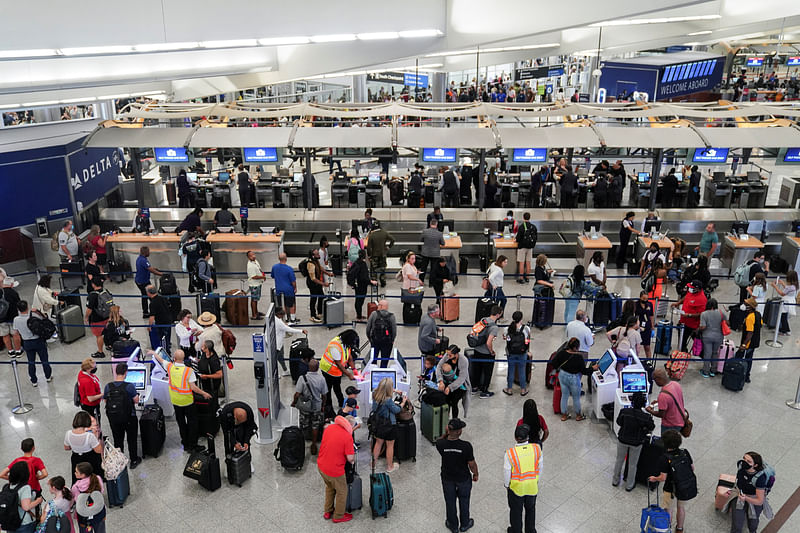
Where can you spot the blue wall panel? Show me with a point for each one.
(33, 188)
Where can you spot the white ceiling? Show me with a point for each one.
(465, 24)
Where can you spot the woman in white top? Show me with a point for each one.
(44, 298)
(625, 339)
(84, 445)
(188, 331)
(596, 272)
(410, 273)
(758, 290)
(281, 329)
(788, 291)
(211, 332)
(495, 276)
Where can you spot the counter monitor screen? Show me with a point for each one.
(604, 362)
(679, 176)
(137, 377)
(753, 176)
(374, 177)
(588, 224)
(634, 381)
(376, 376)
(792, 155)
(503, 224)
(450, 223)
(652, 225)
(718, 176)
(644, 177)
(224, 177)
(298, 177)
(192, 177)
(740, 227)
(710, 155)
(440, 155)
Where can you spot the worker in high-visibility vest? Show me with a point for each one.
(339, 358)
(182, 387)
(521, 468)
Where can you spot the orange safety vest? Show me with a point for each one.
(524, 469)
(180, 393)
(327, 363)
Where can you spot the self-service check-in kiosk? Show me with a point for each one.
(140, 375)
(605, 382)
(633, 378)
(159, 384)
(372, 374)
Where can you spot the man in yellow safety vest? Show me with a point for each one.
(182, 383)
(521, 467)
(339, 358)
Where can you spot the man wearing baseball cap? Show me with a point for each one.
(459, 470)
(522, 465)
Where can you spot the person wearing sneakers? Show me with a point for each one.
(311, 386)
(335, 450)
(255, 278)
(95, 317)
(32, 344)
(634, 427)
(386, 409)
(570, 365)
(459, 471)
(518, 338)
(522, 465)
(11, 338)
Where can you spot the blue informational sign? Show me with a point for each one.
(687, 78)
(439, 155)
(792, 155)
(415, 80)
(548, 88)
(793, 61)
(173, 154)
(557, 71)
(529, 155)
(710, 155)
(243, 212)
(755, 61)
(145, 212)
(258, 343)
(260, 155)
(93, 172)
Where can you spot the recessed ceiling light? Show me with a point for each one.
(704, 32)
(338, 38)
(95, 50)
(662, 20)
(39, 52)
(378, 36)
(283, 41)
(420, 33)
(231, 43)
(38, 104)
(165, 47)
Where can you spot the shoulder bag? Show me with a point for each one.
(726, 328)
(686, 430)
(305, 400)
(114, 461)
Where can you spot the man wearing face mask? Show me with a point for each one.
(692, 304)
(757, 264)
(751, 333)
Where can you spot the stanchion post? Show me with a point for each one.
(774, 342)
(795, 404)
(21, 408)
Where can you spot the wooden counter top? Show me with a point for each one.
(601, 243)
(452, 243)
(505, 243)
(751, 242)
(795, 239)
(662, 243)
(141, 237)
(240, 237)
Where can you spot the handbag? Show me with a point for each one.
(412, 296)
(485, 284)
(697, 347)
(114, 461)
(448, 288)
(304, 401)
(406, 412)
(686, 430)
(726, 328)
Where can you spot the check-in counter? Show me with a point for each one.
(587, 247)
(644, 242)
(790, 251)
(163, 248)
(508, 248)
(737, 251)
(230, 250)
(452, 247)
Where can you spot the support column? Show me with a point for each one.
(137, 176)
(481, 185)
(438, 86)
(656, 177)
(310, 181)
(104, 110)
(360, 88)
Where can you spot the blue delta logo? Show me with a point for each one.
(171, 152)
(439, 152)
(260, 152)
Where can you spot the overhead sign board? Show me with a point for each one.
(529, 155)
(94, 172)
(755, 61)
(793, 61)
(439, 155)
(173, 154)
(399, 78)
(687, 78)
(260, 155)
(710, 155)
(415, 80)
(532, 73)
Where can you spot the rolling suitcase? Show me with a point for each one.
(649, 458)
(405, 445)
(70, 324)
(291, 448)
(118, 489)
(433, 421)
(601, 314)
(772, 312)
(550, 374)
(381, 496)
(483, 308)
(236, 307)
(372, 305)
(207, 421)
(333, 310)
(726, 351)
(153, 430)
(412, 314)
(463, 264)
(121, 352)
(734, 373)
(70, 297)
(615, 306)
(295, 351)
(72, 275)
(355, 491)
(118, 270)
(238, 467)
(336, 264)
(544, 309)
(663, 337)
(168, 288)
(677, 364)
(557, 396)
(209, 302)
(208, 474)
(450, 308)
(654, 518)
(396, 192)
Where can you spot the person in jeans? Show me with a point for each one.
(123, 423)
(428, 339)
(142, 277)
(18, 481)
(634, 426)
(335, 450)
(495, 275)
(518, 338)
(575, 281)
(752, 484)
(459, 471)
(751, 333)
(312, 385)
(32, 344)
(362, 281)
(482, 370)
(382, 339)
(670, 402)
(711, 332)
(570, 365)
(432, 241)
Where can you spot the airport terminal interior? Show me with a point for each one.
(653, 149)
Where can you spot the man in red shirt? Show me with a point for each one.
(335, 450)
(694, 303)
(36, 466)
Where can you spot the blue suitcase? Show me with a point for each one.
(381, 497)
(654, 518)
(663, 338)
(118, 489)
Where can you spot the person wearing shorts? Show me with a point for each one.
(312, 384)
(255, 277)
(93, 318)
(285, 287)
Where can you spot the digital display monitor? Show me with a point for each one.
(793, 61)
(192, 177)
(260, 155)
(529, 155)
(298, 177)
(164, 355)
(137, 377)
(224, 177)
(606, 361)
(710, 155)
(740, 227)
(652, 225)
(440, 155)
(644, 177)
(173, 154)
(679, 176)
(633, 381)
(503, 224)
(376, 376)
(588, 224)
(718, 176)
(753, 176)
(755, 61)
(449, 222)
(374, 177)
(792, 155)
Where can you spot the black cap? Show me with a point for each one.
(522, 432)
(456, 423)
(351, 390)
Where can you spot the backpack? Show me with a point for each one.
(303, 267)
(517, 342)
(168, 284)
(104, 302)
(381, 329)
(4, 305)
(352, 251)
(769, 472)
(649, 281)
(351, 274)
(479, 334)
(527, 235)
(741, 277)
(41, 326)
(9, 508)
(291, 448)
(54, 242)
(623, 346)
(118, 402)
(567, 287)
(228, 341)
(683, 478)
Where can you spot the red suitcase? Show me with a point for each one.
(677, 364)
(557, 397)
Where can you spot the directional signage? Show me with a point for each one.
(258, 343)
(260, 155)
(439, 155)
(529, 155)
(710, 155)
(415, 80)
(531, 73)
(175, 154)
(793, 61)
(755, 61)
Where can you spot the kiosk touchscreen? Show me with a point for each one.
(633, 378)
(138, 377)
(644, 177)
(605, 362)
(633, 381)
(374, 177)
(605, 382)
(395, 369)
(379, 375)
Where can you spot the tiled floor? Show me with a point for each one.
(575, 487)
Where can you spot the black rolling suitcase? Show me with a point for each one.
(298, 346)
(207, 421)
(734, 373)
(209, 302)
(463, 265)
(70, 297)
(544, 309)
(238, 467)
(204, 467)
(168, 287)
(405, 444)
(118, 269)
(483, 308)
(153, 430)
(72, 275)
(602, 310)
(736, 317)
(649, 459)
(412, 314)
(772, 312)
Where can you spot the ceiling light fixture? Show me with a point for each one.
(378, 36)
(492, 50)
(410, 34)
(663, 20)
(231, 43)
(283, 41)
(9, 106)
(165, 47)
(704, 32)
(337, 38)
(77, 100)
(40, 104)
(96, 50)
(39, 52)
